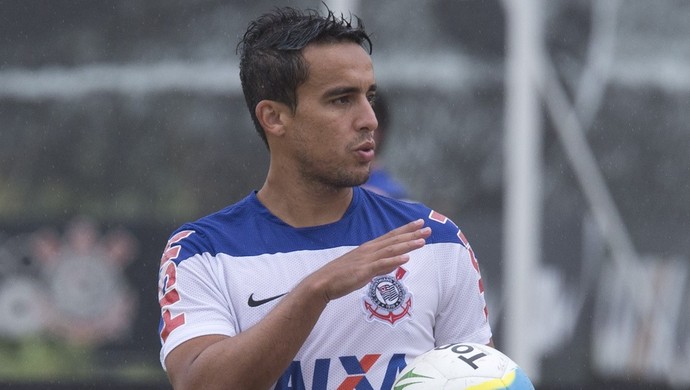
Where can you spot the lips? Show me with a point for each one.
(365, 151)
(368, 145)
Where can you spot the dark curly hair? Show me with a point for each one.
(271, 61)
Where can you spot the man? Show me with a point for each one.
(312, 282)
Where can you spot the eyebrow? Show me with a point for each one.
(346, 91)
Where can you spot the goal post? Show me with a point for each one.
(522, 180)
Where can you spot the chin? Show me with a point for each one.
(361, 179)
(351, 181)
(348, 178)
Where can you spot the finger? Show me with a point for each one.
(408, 227)
(398, 248)
(408, 231)
(388, 265)
(401, 238)
(391, 257)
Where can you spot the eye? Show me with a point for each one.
(342, 100)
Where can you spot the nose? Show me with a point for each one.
(367, 117)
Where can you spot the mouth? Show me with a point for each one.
(366, 151)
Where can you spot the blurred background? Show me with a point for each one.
(554, 133)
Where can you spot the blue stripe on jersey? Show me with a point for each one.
(247, 228)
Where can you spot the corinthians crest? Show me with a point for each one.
(387, 299)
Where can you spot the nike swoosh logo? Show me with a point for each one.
(254, 303)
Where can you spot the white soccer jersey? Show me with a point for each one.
(225, 272)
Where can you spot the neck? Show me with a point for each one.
(301, 205)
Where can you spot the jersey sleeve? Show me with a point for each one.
(462, 315)
(192, 304)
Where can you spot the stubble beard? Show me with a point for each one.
(334, 178)
(331, 175)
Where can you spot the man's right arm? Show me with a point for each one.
(255, 358)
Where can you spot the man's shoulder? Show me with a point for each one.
(243, 208)
(221, 216)
(443, 228)
(205, 233)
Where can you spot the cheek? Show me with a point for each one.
(312, 146)
(323, 136)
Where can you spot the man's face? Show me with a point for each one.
(331, 133)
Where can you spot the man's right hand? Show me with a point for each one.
(379, 256)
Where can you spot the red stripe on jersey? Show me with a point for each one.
(171, 252)
(464, 241)
(475, 264)
(438, 217)
(368, 361)
(170, 323)
(351, 382)
(167, 289)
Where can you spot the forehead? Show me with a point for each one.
(338, 64)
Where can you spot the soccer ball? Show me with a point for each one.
(463, 366)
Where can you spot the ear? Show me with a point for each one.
(271, 115)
